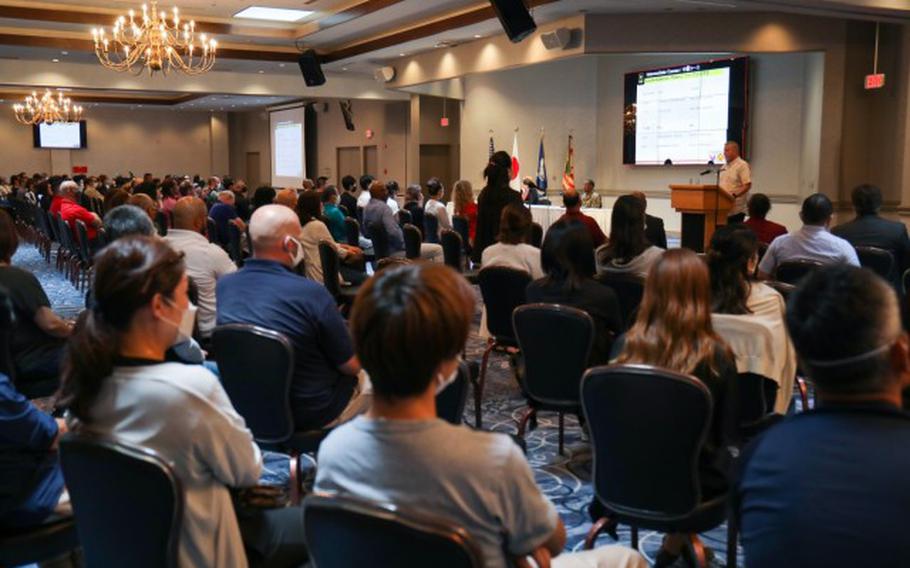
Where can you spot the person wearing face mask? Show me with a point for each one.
(117, 383)
(401, 453)
(327, 387)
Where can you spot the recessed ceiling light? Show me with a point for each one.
(477, 36)
(64, 53)
(344, 68)
(281, 65)
(55, 60)
(273, 14)
(261, 71)
(401, 54)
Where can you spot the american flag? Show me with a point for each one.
(568, 176)
(492, 149)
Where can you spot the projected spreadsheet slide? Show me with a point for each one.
(682, 115)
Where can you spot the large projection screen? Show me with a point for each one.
(288, 148)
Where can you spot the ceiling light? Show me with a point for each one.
(344, 68)
(272, 14)
(477, 36)
(64, 53)
(55, 60)
(401, 54)
(281, 65)
(261, 71)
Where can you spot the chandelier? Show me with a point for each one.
(47, 109)
(154, 42)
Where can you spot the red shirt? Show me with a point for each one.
(597, 235)
(766, 230)
(54, 207)
(470, 212)
(70, 211)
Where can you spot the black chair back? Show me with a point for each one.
(503, 290)
(416, 212)
(782, 287)
(629, 290)
(211, 230)
(536, 235)
(431, 228)
(756, 395)
(85, 249)
(412, 240)
(331, 268)
(555, 343)
(451, 401)
(405, 218)
(256, 366)
(127, 501)
(380, 239)
(7, 328)
(344, 210)
(792, 271)
(341, 532)
(234, 247)
(161, 222)
(647, 428)
(352, 228)
(452, 250)
(878, 260)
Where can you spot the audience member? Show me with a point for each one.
(811, 242)
(529, 191)
(31, 483)
(117, 384)
(241, 202)
(205, 262)
(378, 212)
(287, 197)
(126, 220)
(465, 206)
(572, 203)
(589, 198)
(91, 189)
(401, 453)
(224, 213)
(740, 302)
(347, 198)
(264, 195)
(146, 203)
(391, 187)
(567, 257)
(845, 455)
(321, 182)
(869, 228)
(36, 346)
(492, 200)
(315, 231)
(325, 389)
(673, 330)
(116, 198)
(628, 250)
(413, 204)
(334, 218)
(766, 231)
(512, 249)
(169, 195)
(366, 181)
(654, 226)
(71, 211)
(436, 207)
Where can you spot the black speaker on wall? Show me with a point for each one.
(311, 69)
(515, 18)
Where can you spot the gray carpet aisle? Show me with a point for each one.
(566, 480)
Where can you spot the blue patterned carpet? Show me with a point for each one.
(566, 480)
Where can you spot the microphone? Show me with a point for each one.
(710, 168)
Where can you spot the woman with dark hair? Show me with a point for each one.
(628, 250)
(36, 345)
(512, 249)
(673, 330)
(740, 302)
(392, 187)
(314, 231)
(169, 195)
(492, 200)
(568, 261)
(264, 195)
(117, 384)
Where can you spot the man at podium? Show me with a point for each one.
(736, 179)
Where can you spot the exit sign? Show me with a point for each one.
(444, 121)
(876, 81)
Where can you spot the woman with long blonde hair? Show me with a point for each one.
(465, 205)
(673, 330)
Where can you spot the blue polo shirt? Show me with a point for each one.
(222, 213)
(829, 487)
(335, 222)
(268, 294)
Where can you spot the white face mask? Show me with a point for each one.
(186, 324)
(297, 257)
(442, 382)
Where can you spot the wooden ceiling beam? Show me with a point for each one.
(344, 16)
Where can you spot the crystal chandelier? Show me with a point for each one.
(47, 109)
(154, 42)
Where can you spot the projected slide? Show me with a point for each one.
(60, 135)
(686, 113)
(288, 148)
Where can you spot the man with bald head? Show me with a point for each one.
(572, 202)
(328, 387)
(378, 213)
(287, 197)
(205, 262)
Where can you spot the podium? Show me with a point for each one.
(703, 208)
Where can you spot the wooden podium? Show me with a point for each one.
(703, 208)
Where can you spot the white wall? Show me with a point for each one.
(160, 141)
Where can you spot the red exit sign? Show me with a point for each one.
(876, 81)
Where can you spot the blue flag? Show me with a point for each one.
(541, 167)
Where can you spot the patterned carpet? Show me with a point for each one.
(566, 480)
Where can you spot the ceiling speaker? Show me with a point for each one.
(557, 39)
(384, 74)
(515, 18)
(311, 69)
